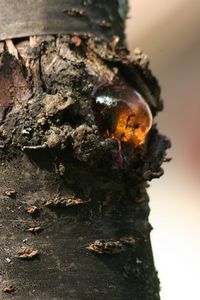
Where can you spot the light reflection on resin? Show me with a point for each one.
(121, 113)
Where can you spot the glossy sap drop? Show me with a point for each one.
(122, 113)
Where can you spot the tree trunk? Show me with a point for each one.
(74, 209)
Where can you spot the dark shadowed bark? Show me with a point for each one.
(74, 208)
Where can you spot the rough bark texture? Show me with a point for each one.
(53, 157)
(51, 149)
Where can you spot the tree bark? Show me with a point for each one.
(64, 199)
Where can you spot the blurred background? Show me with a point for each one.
(169, 32)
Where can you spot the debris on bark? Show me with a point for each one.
(8, 289)
(76, 40)
(35, 228)
(10, 193)
(106, 247)
(33, 210)
(27, 253)
(75, 12)
(111, 246)
(8, 260)
(64, 202)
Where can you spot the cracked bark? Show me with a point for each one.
(54, 158)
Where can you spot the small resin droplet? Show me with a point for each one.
(122, 113)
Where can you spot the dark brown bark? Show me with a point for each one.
(51, 149)
(34, 17)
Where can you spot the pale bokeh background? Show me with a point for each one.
(169, 32)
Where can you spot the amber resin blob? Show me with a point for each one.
(121, 113)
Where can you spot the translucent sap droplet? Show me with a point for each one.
(122, 113)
